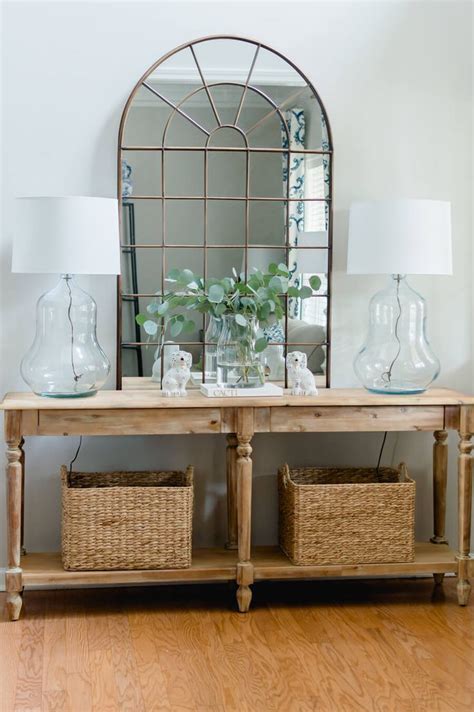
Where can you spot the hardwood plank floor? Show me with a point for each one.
(320, 646)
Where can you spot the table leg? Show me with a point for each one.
(464, 503)
(244, 508)
(13, 576)
(231, 466)
(22, 463)
(440, 480)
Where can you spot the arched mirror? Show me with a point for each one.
(225, 162)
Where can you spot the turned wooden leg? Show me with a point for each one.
(464, 503)
(438, 579)
(22, 463)
(244, 507)
(13, 576)
(231, 463)
(440, 478)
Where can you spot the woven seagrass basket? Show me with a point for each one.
(126, 520)
(346, 515)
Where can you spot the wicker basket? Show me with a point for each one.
(126, 520)
(346, 515)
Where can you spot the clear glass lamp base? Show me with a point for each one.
(65, 359)
(397, 357)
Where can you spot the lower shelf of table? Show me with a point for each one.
(220, 565)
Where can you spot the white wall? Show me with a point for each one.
(396, 81)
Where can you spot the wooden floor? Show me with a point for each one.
(385, 646)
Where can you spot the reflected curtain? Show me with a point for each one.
(327, 179)
(293, 186)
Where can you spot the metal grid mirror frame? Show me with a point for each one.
(126, 212)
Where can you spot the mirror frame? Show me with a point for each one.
(123, 148)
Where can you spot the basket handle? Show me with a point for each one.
(64, 475)
(285, 475)
(403, 472)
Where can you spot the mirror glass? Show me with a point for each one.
(225, 163)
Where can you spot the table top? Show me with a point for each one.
(129, 399)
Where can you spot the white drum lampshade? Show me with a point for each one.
(67, 236)
(398, 237)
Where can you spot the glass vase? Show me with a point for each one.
(238, 365)
(211, 338)
(396, 357)
(65, 359)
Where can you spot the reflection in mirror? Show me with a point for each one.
(226, 221)
(235, 152)
(184, 173)
(220, 263)
(184, 222)
(142, 222)
(267, 223)
(226, 174)
(145, 167)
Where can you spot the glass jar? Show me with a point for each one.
(65, 359)
(211, 338)
(238, 365)
(396, 357)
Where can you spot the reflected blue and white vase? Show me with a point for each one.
(127, 182)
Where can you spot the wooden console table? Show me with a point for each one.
(148, 413)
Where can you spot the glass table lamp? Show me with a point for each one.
(67, 236)
(398, 237)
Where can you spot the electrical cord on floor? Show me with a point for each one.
(75, 456)
(381, 452)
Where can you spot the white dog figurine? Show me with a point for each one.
(300, 378)
(179, 373)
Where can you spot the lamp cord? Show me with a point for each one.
(77, 376)
(75, 456)
(380, 453)
(387, 375)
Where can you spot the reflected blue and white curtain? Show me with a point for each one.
(327, 180)
(293, 186)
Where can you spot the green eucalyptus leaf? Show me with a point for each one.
(272, 268)
(186, 277)
(241, 320)
(140, 319)
(315, 282)
(162, 308)
(216, 293)
(264, 311)
(173, 275)
(305, 292)
(228, 284)
(189, 326)
(276, 284)
(176, 328)
(261, 345)
(293, 291)
(151, 327)
(283, 268)
(220, 309)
